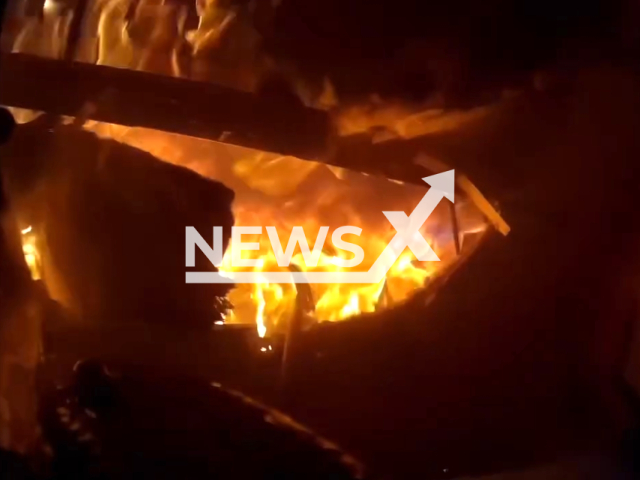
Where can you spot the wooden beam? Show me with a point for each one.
(186, 107)
(202, 110)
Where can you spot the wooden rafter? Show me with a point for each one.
(141, 99)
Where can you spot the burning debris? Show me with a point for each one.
(31, 252)
(285, 192)
(227, 43)
(282, 191)
(268, 194)
(400, 368)
(224, 45)
(93, 182)
(211, 40)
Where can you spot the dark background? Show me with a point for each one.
(463, 49)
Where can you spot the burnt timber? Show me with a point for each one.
(277, 124)
(139, 99)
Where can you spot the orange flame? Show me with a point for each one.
(270, 189)
(31, 253)
(286, 192)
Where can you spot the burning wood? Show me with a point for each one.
(163, 103)
(282, 191)
(285, 192)
(266, 193)
(225, 49)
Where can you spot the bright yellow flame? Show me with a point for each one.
(352, 307)
(31, 254)
(152, 38)
(49, 6)
(270, 306)
(259, 299)
(341, 201)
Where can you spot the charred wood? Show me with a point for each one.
(140, 99)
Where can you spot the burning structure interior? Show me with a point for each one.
(138, 118)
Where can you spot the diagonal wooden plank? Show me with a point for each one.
(141, 99)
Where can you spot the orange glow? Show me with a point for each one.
(31, 254)
(285, 192)
(273, 304)
(270, 189)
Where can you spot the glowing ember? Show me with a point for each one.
(31, 254)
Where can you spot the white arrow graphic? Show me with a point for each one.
(408, 235)
(408, 228)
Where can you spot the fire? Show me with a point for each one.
(271, 306)
(268, 195)
(258, 298)
(270, 189)
(333, 302)
(31, 253)
(285, 192)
